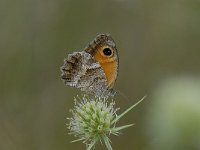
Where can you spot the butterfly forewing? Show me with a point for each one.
(85, 71)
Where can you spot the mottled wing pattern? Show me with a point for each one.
(100, 41)
(80, 70)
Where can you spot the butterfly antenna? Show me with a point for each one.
(125, 97)
(122, 94)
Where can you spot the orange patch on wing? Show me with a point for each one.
(109, 66)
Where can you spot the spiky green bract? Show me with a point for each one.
(94, 119)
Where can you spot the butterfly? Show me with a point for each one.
(93, 70)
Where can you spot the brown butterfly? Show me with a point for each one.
(95, 69)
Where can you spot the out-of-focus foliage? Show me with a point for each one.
(156, 40)
(174, 117)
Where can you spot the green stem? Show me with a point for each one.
(91, 145)
(107, 142)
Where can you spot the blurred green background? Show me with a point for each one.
(159, 49)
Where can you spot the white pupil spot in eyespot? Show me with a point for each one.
(107, 52)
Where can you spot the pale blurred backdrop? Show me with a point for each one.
(159, 49)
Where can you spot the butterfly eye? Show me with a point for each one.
(107, 52)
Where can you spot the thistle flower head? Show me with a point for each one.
(93, 120)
